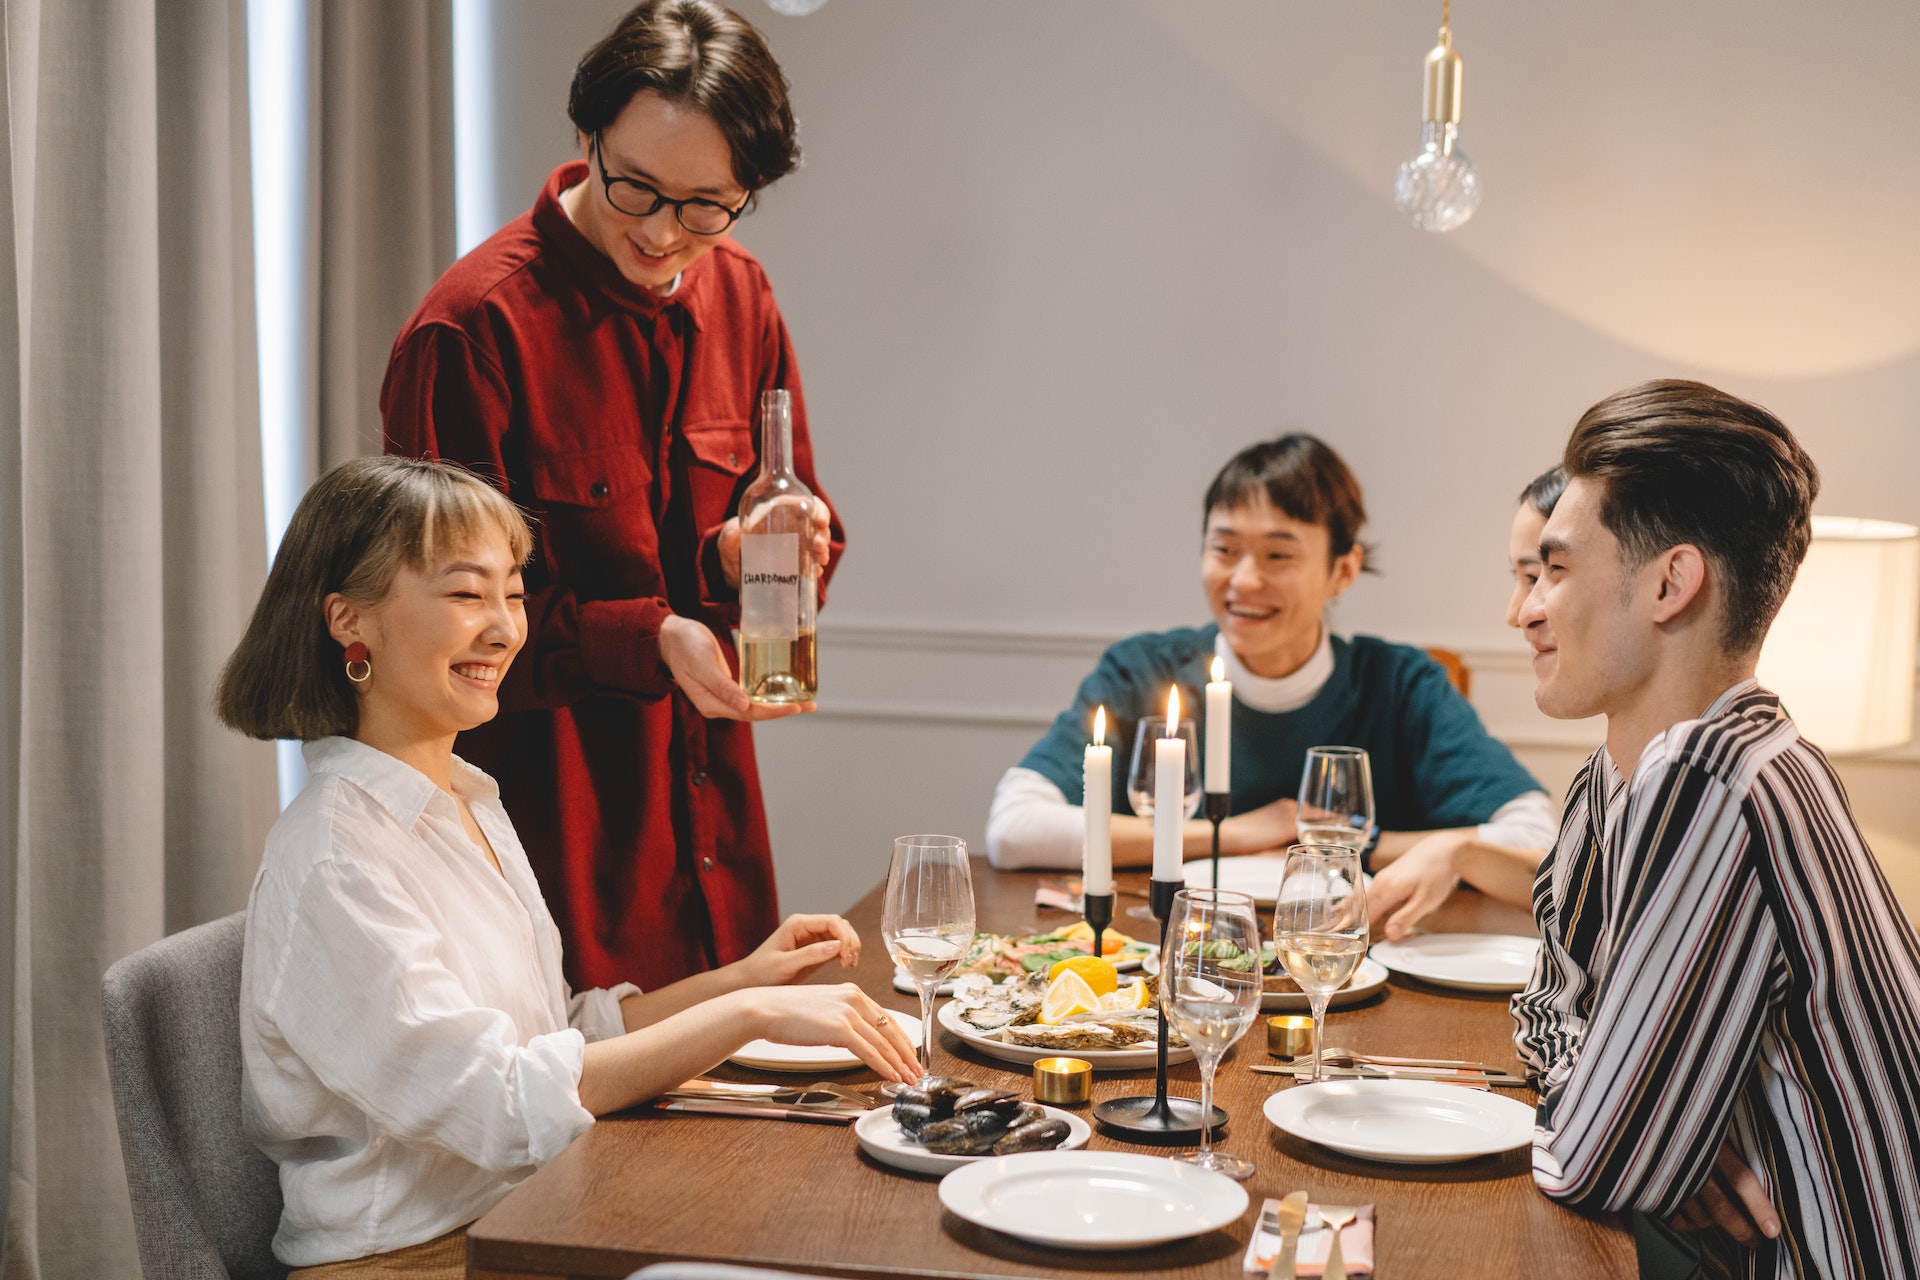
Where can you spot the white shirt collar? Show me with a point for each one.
(1286, 693)
(400, 789)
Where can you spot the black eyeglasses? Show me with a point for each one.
(636, 199)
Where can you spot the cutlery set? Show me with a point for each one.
(1287, 1218)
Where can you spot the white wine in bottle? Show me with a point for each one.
(779, 582)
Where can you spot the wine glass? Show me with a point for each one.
(1141, 776)
(1336, 797)
(1210, 992)
(927, 922)
(1320, 925)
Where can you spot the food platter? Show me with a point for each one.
(881, 1138)
(1369, 977)
(1133, 1056)
(1003, 956)
(1096, 1200)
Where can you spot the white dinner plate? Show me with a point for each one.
(904, 984)
(1368, 978)
(766, 1055)
(1092, 1199)
(1257, 875)
(1402, 1121)
(1468, 961)
(1144, 1054)
(881, 1138)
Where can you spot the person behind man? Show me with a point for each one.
(1728, 997)
(1282, 528)
(1406, 892)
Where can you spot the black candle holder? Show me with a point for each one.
(1158, 1118)
(1098, 909)
(1218, 804)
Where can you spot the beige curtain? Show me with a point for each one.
(133, 549)
(384, 173)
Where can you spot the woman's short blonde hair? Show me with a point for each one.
(353, 530)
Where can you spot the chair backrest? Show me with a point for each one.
(206, 1201)
(1457, 670)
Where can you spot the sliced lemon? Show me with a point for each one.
(1067, 995)
(1110, 942)
(1134, 995)
(1101, 976)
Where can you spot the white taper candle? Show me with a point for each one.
(1096, 866)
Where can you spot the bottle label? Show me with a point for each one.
(770, 586)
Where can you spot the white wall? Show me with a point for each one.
(1048, 265)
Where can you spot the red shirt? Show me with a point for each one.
(626, 425)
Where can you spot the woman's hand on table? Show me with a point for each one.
(699, 666)
(728, 542)
(797, 949)
(1733, 1200)
(842, 1015)
(1406, 890)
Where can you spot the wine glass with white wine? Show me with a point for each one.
(927, 922)
(1336, 797)
(1141, 780)
(1320, 926)
(1210, 992)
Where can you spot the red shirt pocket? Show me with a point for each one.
(595, 523)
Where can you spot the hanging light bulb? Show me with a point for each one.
(1439, 188)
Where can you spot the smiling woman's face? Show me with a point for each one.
(441, 641)
(1268, 578)
(679, 152)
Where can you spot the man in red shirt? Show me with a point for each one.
(600, 357)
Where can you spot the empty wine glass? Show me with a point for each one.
(1141, 778)
(927, 922)
(1320, 925)
(1210, 992)
(1336, 797)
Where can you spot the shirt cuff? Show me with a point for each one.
(597, 1014)
(1031, 825)
(548, 1084)
(620, 644)
(1524, 822)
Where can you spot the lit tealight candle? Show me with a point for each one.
(1096, 868)
(1219, 731)
(1063, 1081)
(1170, 797)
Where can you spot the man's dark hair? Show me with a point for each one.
(1545, 489)
(1304, 480)
(697, 54)
(1680, 462)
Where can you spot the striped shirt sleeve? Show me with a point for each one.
(1632, 1117)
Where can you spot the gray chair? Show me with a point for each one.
(206, 1201)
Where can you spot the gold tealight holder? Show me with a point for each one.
(1064, 1082)
(1289, 1036)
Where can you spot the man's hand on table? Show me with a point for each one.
(1261, 830)
(1416, 882)
(699, 666)
(1732, 1200)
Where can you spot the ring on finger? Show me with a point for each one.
(882, 1020)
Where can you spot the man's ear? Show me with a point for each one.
(344, 620)
(1682, 581)
(1346, 571)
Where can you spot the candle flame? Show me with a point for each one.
(1173, 712)
(1100, 727)
(1219, 669)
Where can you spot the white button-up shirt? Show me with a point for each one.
(411, 1048)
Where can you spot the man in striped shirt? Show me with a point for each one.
(1724, 1026)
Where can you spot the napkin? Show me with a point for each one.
(1060, 897)
(1310, 1259)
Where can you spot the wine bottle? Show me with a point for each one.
(779, 582)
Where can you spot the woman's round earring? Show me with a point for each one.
(357, 657)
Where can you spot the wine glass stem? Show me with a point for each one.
(1319, 1021)
(1207, 1067)
(927, 991)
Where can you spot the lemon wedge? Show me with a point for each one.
(1132, 996)
(1067, 995)
(1100, 974)
(1081, 931)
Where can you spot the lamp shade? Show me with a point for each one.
(1841, 653)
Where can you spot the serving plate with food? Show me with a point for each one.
(1081, 1007)
(999, 957)
(1279, 993)
(946, 1122)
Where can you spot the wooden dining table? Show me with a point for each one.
(646, 1186)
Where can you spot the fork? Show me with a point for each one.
(1335, 1217)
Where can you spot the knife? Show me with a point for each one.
(1305, 1069)
(1292, 1215)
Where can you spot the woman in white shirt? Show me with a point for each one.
(411, 1048)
